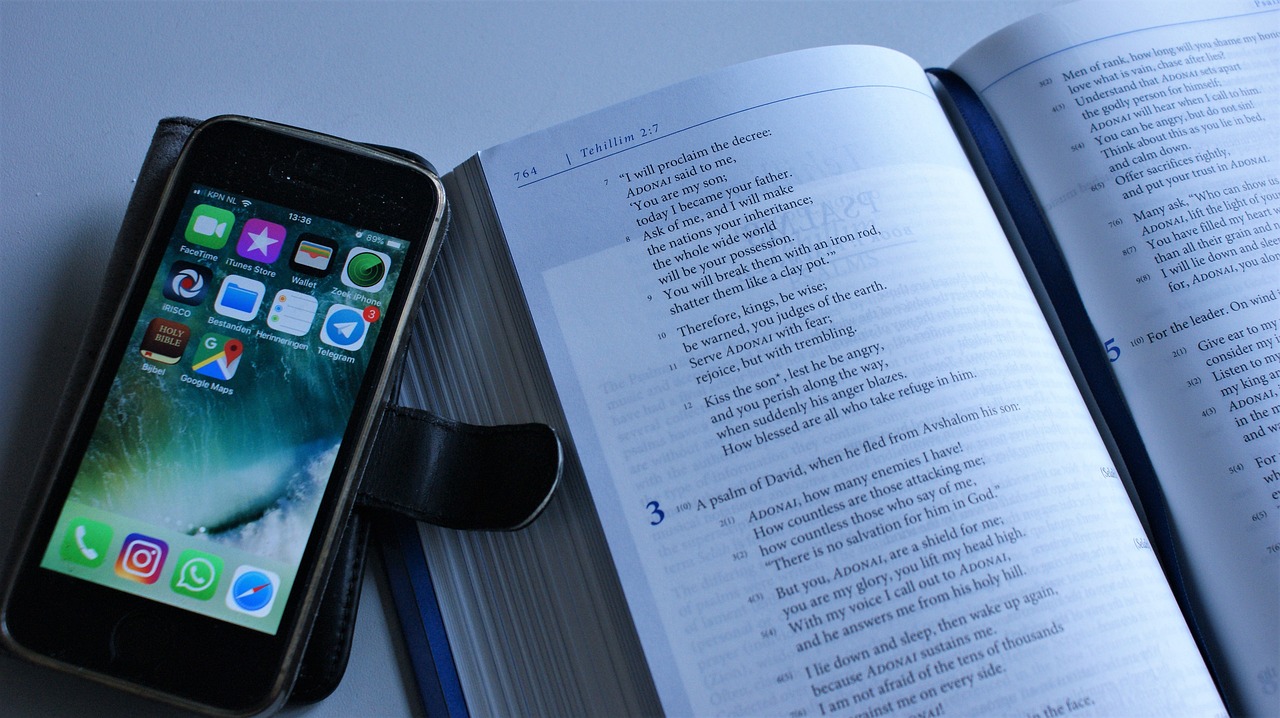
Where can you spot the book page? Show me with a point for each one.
(840, 464)
(1150, 136)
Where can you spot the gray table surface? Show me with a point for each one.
(82, 85)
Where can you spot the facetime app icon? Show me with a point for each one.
(210, 226)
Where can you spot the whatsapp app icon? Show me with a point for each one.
(196, 574)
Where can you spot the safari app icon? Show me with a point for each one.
(253, 591)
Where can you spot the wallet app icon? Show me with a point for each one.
(313, 255)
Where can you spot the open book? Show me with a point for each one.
(830, 455)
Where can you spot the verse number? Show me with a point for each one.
(656, 514)
(1113, 351)
(526, 174)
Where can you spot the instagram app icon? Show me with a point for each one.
(141, 558)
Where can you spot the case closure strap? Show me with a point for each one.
(461, 476)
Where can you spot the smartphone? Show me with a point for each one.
(191, 513)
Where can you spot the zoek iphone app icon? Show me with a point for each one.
(366, 269)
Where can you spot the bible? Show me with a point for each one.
(848, 436)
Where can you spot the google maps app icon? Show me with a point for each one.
(218, 356)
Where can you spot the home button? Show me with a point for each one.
(141, 642)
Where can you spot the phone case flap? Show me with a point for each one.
(482, 477)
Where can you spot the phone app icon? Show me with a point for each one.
(86, 542)
(218, 356)
(260, 240)
(187, 283)
(313, 255)
(210, 226)
(292, 312)
(164, 341)
(141, 558)
(196, 574)
(253, 591)
(239, 297)
(366, 269)
(344, 327)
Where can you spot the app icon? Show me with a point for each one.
(141, 558)
(313, 254)
(218, 356)
(252, 591)
(210, 226)
(260, 240)
(164, 341)
(239, 297)
(187, 283)
(366, 269)
(86, 542)
(292, 312)
(196, 574)
(344, 327)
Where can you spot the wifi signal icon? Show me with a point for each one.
(245, 203)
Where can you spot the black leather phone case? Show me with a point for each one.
(422, 466)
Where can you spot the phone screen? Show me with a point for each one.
(203, 477)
